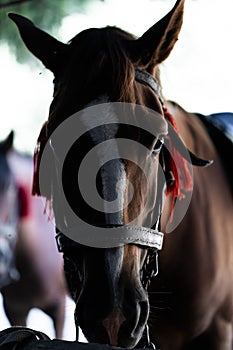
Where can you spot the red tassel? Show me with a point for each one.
(179, 167)
(24, 205)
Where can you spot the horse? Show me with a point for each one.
(31, 272)
(127, 175)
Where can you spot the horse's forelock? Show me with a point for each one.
(98, 64)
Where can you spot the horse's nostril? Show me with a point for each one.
(112, 325)
(132, 329)
(141, 319)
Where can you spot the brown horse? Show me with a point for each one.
(110, 246)
(31, 273)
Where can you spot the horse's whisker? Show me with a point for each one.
(159, 292)
(160, 308)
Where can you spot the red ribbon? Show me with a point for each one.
(179, 167)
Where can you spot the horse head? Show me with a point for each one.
(107, 104)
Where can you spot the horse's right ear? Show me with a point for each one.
(42, 45)
(155, 45)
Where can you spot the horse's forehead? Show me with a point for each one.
(109, 119)
(147, 114)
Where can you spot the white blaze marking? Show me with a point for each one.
(113, 174)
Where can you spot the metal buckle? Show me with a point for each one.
(150, 268)
(149, 344)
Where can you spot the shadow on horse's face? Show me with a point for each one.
(99, 66)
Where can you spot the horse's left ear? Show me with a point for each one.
(49, 50)
(155, 45)
(7, 144)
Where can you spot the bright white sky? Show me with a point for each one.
(198, 74)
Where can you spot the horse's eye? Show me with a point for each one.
(158, 146)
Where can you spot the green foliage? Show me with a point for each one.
(46, 14)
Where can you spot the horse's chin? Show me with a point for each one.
(125, 339)
(118, 328)
(123, 342)
(99, 336)
(128, 342)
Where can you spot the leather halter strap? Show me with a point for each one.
(148, 79)
(114, 236)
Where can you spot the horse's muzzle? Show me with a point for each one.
(125, 325)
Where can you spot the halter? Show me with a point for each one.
(127, 234)
(148, 79)
(150, 238)
(143, 236)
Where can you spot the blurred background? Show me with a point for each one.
(198, 74)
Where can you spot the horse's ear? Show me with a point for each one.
(39, 43)
(7, 144)
(155, 45)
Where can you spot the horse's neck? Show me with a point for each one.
(196, 139)
(211, 190)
